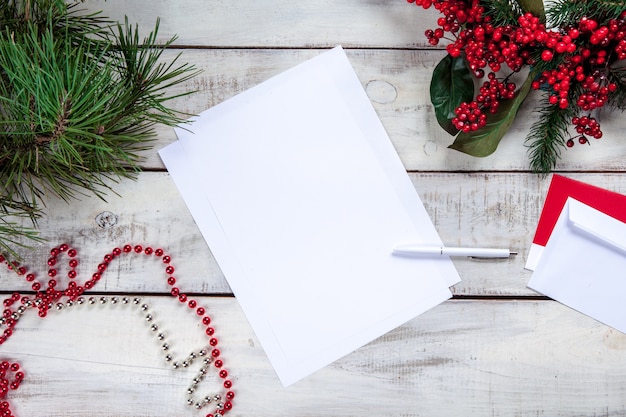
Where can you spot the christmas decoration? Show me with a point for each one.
(573, 52)
(79, 98)
(51, 298)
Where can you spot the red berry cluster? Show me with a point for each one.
(584, 53)
(587, 52)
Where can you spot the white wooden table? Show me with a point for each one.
(495, 349)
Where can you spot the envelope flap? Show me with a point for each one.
(597, 225)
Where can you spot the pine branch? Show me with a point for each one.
(563, 13)
(503, 12)
(79, 100)
(547, 136)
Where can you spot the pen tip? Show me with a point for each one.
(513, 253)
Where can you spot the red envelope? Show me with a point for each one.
(608, 202)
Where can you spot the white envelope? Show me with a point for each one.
(583, 264)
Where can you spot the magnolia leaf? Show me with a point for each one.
(484, 141)
(533, 6)
(450, 86)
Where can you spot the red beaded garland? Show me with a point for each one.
(44, 299)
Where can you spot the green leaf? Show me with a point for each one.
(533, 6)
(450, 86)
(484, 141)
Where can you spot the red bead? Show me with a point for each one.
(148, 251)
(182, 297)
(30, 277)
(169, 269)
(96, 276)
(171, 280)
(158, 252)
(107, 258)
(36, 286)
(127, 248)
(71, 274)
(213, 342)
(228, 405)
(229, 395)
(215, 353)
(218, 363)
(209, 331)
(138, 249)
(71, 253)
(73, 263)
(167, 259)
(52, 261)
(175, 291)
(63, 247)
(54, 252)
(102, 267)
(52, 272)
(200, 311)
(192, 303)
(206, 320)
(117, 251)
(52, 283)
(223, 373)
(228, 384)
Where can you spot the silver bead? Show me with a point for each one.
(185, 364)
(160, 336)
(69, 303)
(114, 300)
(192, 356)
(203, 352)
(144, 307)
(190, 401)
(92, 300)
(21, 310)
(217, 397)
(198, 406)
(3, 320)
(165, 346)
(168, 358)
(125, 300)
(190, 390)
(207, 361)
(80, 300)
(60, 306)
(103, 300)
(148, 317)
(196, 380)
(154, 327)
(136, 300)
(207, 399)
(176, 365)
(220, 406)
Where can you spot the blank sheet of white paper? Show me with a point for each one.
(301, 197)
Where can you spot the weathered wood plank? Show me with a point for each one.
(398, 85)
(283, 23)
(486, 209)
(469, 358)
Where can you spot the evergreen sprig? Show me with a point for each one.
(564, 13)
(80, 97)
(547, 136)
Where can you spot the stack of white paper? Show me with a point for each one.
(301, 197)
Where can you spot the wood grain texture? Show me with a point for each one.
(500, 352)
(484, 209)
(282, 23)
(463, 358)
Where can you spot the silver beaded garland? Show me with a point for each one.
(160, 336)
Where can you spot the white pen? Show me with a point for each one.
(418, 250)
